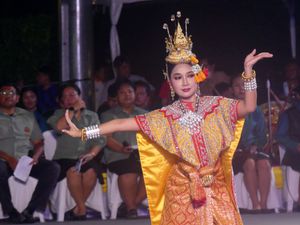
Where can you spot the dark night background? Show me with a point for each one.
(223, 30)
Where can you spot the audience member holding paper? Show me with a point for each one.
(20, 133)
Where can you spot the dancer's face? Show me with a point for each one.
(183, 81)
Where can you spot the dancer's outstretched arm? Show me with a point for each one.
(128, 124)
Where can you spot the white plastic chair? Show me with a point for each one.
(61, 199)
(113, 194)
(243, 198)
(291, 182)
(21, 194)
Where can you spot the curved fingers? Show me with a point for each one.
(259, 57)
(70, 123)
(251, 59)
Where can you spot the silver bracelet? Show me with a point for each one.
(250, 85)
(92, 132)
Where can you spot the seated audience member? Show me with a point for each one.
(111, 101)
(223, 89)
(70, 151)
(46, 92)
(142, 95)
(19, 134)
(29, 102)
(250, 157)
(288, 135)
(120, 156)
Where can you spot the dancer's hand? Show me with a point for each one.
(252, 59)
(73, 130)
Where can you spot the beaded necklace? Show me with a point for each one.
(191, 120)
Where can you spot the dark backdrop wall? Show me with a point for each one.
(222, 30)
(28, 39)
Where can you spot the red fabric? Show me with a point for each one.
(188, 105)
(164, 91)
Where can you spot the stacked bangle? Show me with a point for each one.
(250, 85)
(250, 82)
(90, 132)
(246, 78)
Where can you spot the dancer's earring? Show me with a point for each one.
(198, 90)
(172, 93)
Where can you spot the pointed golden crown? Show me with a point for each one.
(179, 50)
(179, 47)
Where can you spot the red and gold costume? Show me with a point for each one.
(188, 175)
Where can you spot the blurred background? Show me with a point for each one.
(222, 30)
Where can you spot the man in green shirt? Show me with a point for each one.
(20, 133)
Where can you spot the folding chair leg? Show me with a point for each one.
(61, 204)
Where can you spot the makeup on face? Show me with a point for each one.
(183, 81)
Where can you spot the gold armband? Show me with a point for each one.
(83, 134)
(246, 78)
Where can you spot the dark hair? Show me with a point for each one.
(23, 91)
(119, 60)
(143, 84)
(68, 85)
(171, 67)
(119, 84)
(26, 89)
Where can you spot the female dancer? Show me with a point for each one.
(186, 148)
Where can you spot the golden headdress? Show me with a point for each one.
(179, 49)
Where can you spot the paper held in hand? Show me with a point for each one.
(23, 168)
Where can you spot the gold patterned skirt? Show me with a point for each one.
(179, 210)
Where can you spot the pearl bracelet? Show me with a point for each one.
(90, 132)
(250, 85)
